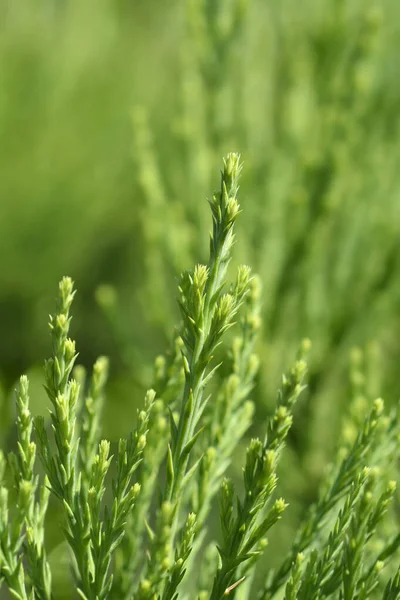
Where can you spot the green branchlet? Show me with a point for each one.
(335, 488)
(232, 414)
(24, 531)
(207, 312)
(177, 570)
(322, 571)
(294, 581)
(92, 535)
(106, 535)
(245, 528)
(91, 415)
(159, 552)
(129, 557)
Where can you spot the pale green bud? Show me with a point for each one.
(62, 408)
(379, 566)
(379, 405)
(166, 563)
(191, 520)
(242, 280)
(104, 450)
(232, 209)
(141, 442)
(300, 369)
(280, 505)
(270, 461)
(254, 364)
(232, 168)
(136, 489)
(262, 544)
(300, 558)
(66, 287)
(225, 308)
(69, 349)
(167, 511)
(73, 391)
(25, 492)
(305, 346)
(106, 296)
(149, 399)
(200, 277)
(159, 366)
(255, 286)
(254, 321)
(145, 586)
(101, 366)
(62, 321)
(282, 413)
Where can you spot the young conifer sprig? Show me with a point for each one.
(25, 529)
(93, 537)
(207, 313)
(379, 561)
(168, 384)
(358, 580)
(337, 486)
(60, 467)
(11, 539)
(231, 416)
(244, 531)
(129, 556)
(294, 581)
(323, 570)
(182, 553)
(159, 552)
(90, 417)
(107, 534)
(63, 394)
(339, 564)
(37, 565)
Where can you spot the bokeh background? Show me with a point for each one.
(114, 117)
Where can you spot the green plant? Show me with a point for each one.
(128, 541)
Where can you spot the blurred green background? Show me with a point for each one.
(114, 117)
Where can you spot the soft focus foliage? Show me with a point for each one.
(113, 117)
(127, 541)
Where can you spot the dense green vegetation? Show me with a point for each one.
(114, 118)
(145, 537)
